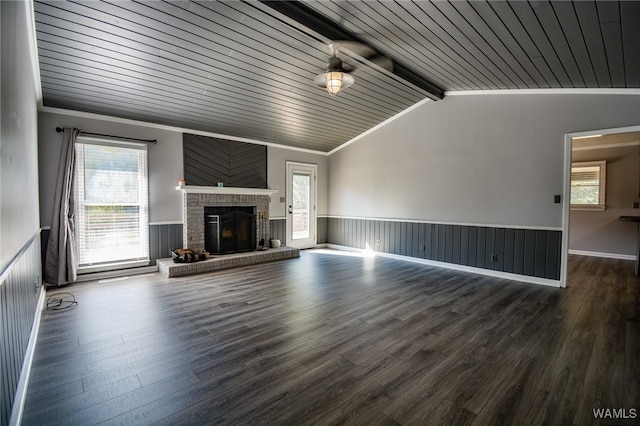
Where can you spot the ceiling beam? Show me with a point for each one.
(312, 20)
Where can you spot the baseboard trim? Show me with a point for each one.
(113, 274)
(602, 254)
(21, 392)
(463, 268)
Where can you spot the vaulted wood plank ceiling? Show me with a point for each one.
(246, 69)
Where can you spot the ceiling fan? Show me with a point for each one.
(336, 77)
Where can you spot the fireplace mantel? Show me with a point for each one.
(193, 189)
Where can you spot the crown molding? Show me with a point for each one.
(580, 91)
(94, 116)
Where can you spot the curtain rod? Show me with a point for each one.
(153, 141)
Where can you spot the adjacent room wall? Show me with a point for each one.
(601, 231)
(493, 160)
(20, 281)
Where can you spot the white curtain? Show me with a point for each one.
(60, 261)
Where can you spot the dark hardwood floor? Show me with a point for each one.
(332, 339)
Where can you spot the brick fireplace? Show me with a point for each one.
(196, 198)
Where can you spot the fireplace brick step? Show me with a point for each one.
(169, 269)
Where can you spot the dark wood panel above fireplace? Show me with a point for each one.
(208, 161)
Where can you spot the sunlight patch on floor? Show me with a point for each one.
(346, 253)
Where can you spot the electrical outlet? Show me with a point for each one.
(636, 205)
(494, 257)
(557, 199)
(378, 242)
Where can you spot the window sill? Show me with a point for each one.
(588, 208)
(112, 266)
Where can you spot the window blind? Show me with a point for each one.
(588, 184)
(112, 206)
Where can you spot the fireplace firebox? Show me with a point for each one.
(229, 229)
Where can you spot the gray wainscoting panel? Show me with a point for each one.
(20, 287)
(208, 161)
(322, 229)
(529, 252)
(163, 238)
(278, 229)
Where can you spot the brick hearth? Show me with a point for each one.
(170, 269)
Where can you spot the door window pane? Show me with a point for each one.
(301, 205)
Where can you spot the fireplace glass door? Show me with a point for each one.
(230, 230)
(236, 232)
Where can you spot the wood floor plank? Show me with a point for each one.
(70, 406)
(631, 385)
(334, 339)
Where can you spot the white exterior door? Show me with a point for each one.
(301, 205)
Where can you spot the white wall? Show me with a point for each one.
(277, 178)
(165, 162)
(480, 159)
(165, 165)
(18, 133)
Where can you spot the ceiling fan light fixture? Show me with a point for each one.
(335, 79)
(334, 82)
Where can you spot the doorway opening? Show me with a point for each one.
(595, 230)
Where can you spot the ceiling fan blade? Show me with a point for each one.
(383, 62)
(372, 63)
(355, 47)
(363, 51)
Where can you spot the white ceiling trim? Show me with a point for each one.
(605, 146)
(581, 91)
(603, 132)
(121, 120)
(33, 51)
(384, 123)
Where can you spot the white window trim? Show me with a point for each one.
(601, 206)
(123, 264)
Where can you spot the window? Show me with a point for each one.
(112, 205)
(588, 184)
